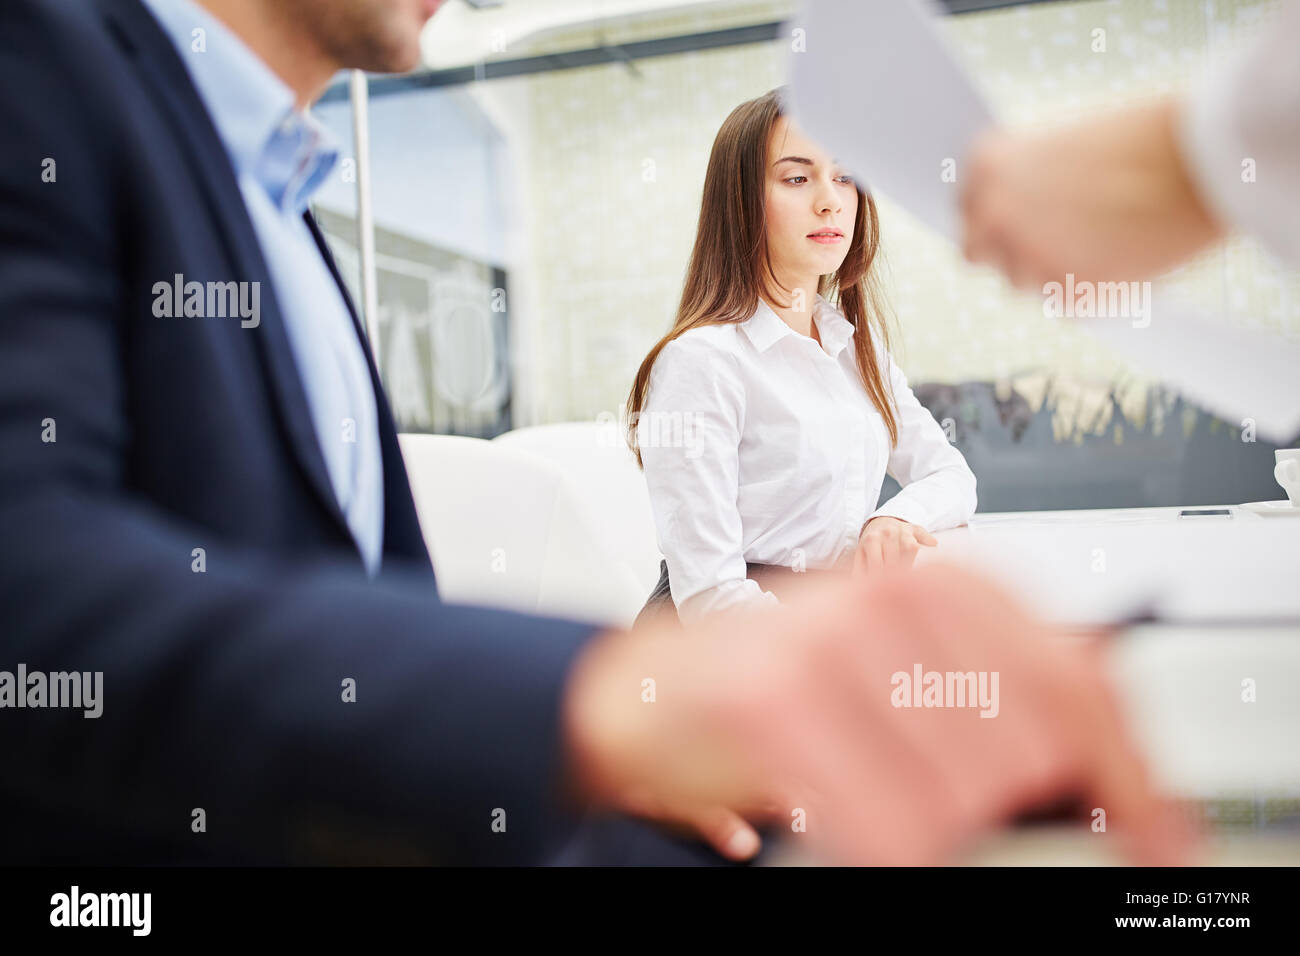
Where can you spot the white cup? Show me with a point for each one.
(1287, 473)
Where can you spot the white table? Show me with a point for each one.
(1102, 565)
(1229, 591)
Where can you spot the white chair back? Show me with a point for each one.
(505, 529)
(598, 464)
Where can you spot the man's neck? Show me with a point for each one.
(279, 43)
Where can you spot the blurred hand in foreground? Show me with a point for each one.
(1107, 198)
(795, 713)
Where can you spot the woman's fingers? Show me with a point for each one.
(907, 548)
(873, 553)
(889, 543)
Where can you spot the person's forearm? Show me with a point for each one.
(226, 691)
(943, 499)
(725, 596)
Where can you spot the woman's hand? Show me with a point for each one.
(888, 542)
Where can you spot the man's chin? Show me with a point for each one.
(409, 55)
(396, 59)
(409, 63)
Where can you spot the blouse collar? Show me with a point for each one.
(765, 327)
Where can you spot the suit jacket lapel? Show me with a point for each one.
(402, 535)
(170, 85)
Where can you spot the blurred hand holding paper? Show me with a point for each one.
(878, 89)
(874, 82)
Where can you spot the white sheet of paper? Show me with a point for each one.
(876, 85)
(879, 91)
(1240, 374)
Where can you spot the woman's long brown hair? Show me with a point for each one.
(731, 264)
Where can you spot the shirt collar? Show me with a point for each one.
(287, 151)
(765, 327)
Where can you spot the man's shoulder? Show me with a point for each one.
(61, 23)
(58, 52)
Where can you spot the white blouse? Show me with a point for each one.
(761, 446)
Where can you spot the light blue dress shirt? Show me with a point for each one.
(281, 156)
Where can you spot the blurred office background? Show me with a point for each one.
(535, 193)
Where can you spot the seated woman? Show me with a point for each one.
(766, 419)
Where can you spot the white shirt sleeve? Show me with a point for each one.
(938, 487)
(1239, 133)
(689, 432)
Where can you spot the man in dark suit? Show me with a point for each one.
(203, 501)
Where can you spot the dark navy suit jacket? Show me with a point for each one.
(222, 688)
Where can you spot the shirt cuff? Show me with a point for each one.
(1246, 111)
(1211, 147)
(908, 511)
(728, 594)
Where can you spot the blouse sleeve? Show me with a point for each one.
(1239, 132)
(689, 436)
(938, 487)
